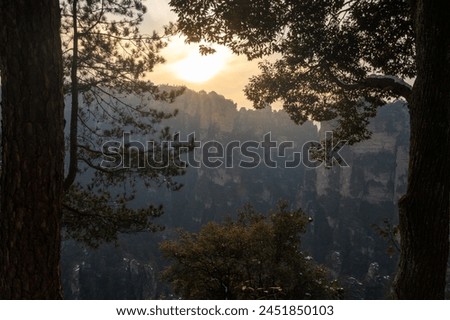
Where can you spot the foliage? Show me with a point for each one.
(106, 59)
(339, 60)
(253, 257)
(330, 54)
(390, 233)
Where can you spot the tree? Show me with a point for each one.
(32, 149)
(341, 60)
(254, 257)
(106, 58)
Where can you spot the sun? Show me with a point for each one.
(196, 68)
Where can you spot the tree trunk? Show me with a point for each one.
(424, 210)
(73, 136)
(33, 149)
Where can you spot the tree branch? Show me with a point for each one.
(381, 82)
(101, 169)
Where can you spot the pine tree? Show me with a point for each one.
(106, 59)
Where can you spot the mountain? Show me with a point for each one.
(345, 203)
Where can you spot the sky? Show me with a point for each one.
(222, 72)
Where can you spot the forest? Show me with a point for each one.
(335, 185)
(348, 205)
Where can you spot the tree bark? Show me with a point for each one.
(424, 210)
(33, 149)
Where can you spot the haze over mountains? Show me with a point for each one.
(344, 202)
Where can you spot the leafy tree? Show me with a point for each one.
(106, 58)
(32, 149)
(254, 257)
(341, 60)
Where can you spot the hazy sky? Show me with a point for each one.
(227, 73)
